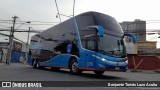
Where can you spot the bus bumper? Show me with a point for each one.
(112, 66)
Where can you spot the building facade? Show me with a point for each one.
(137, 27)
(154, 35)
(18, 51)
(147, 42)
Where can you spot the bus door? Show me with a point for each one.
(89, 42)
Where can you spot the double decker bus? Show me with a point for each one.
(90, 41)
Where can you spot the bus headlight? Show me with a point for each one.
(126, 61)
(103, 59)
(100, 58)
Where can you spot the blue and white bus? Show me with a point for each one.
(90, 41)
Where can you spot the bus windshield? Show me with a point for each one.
(111, 45)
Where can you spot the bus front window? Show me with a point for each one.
(111, 45)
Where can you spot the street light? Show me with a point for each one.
(22, 24)
(27, 39)
(6, 39)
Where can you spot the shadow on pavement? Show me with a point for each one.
(86, 74)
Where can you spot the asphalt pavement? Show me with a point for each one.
(23, 72)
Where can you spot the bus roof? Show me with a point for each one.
(86, 19)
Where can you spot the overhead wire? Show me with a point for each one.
(5, 20)
(22, 33)
(23, 23)
(58, 10)
(39, 21)
(4, 26)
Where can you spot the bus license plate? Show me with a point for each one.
(117, 68)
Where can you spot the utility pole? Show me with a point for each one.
(11, 41)
(27, 44)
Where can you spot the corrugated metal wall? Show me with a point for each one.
(16, 56)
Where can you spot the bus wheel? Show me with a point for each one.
(35, 64)
(98, 72)
(32, 62)
(38, 66)
(74, 67)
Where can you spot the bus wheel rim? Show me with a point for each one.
(74, 67)
(37, 65)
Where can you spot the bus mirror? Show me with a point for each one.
(69, 47)
(99, 28)
(132, 36)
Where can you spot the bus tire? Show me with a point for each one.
(73, 67)
(34, 63)
(38, 66)
(98, 72)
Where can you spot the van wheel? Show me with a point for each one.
(74, 67)
(98, 72)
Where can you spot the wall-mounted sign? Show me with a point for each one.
(131, 48)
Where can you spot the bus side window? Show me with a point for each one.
(61, 47)
(90, 44)
(75, 50)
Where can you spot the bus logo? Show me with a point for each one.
(6, 84)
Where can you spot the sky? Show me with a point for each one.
(45, 11)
